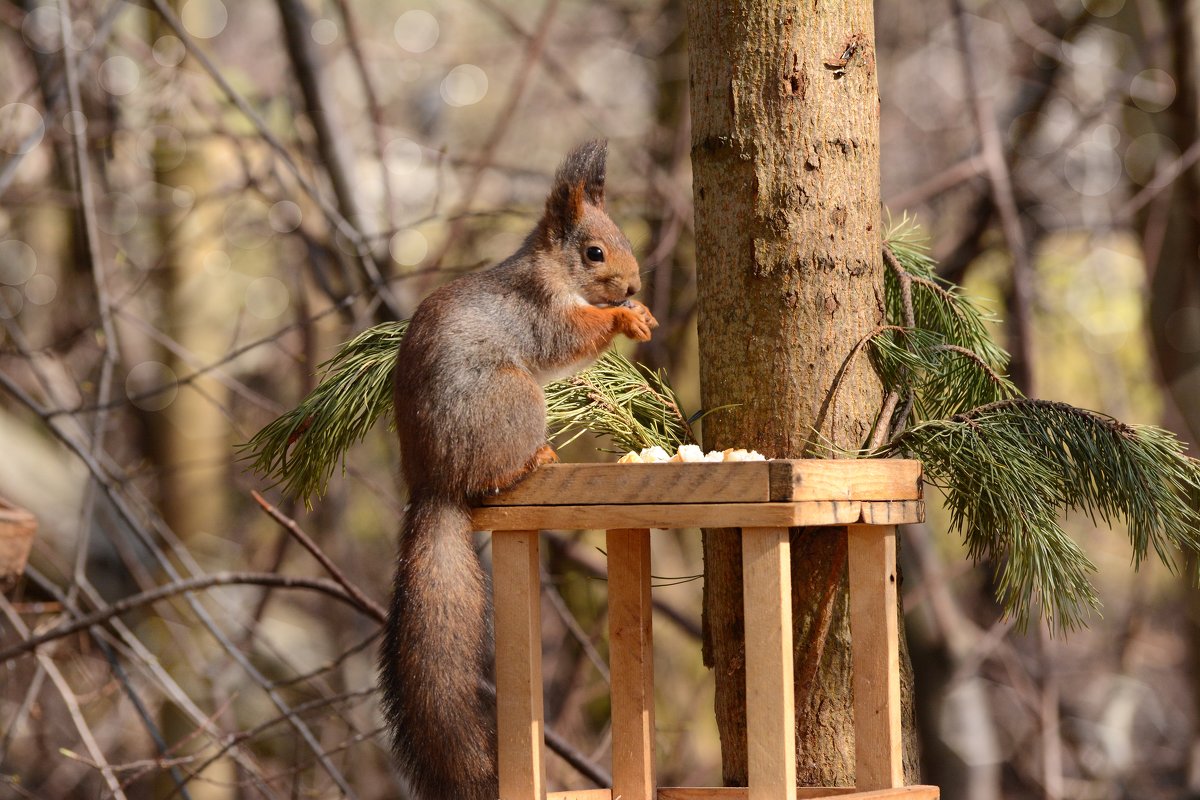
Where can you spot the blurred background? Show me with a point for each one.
(199, 200)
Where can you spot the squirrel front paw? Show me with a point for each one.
(637, 321)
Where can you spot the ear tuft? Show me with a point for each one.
(585, 164)
(580, 178)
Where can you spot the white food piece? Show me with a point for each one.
(654, 454)
(689, 453)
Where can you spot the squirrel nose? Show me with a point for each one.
(630, 291)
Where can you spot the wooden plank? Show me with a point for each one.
(519, 714)
(898, 512)
(631, 663)
(875, 643)
(582, 794)
(770, 704)
(693, 515)
(603, 484)
(845, 479)
(802, 793)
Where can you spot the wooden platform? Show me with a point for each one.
(763, 500)
(722, 495)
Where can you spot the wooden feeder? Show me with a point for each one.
(17, 527)
(764, 499)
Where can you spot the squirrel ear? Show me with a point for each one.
(579, 179)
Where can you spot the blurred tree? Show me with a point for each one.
(785, 154)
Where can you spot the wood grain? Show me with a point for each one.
(875, 648)
(592, 484)
(847, 479)
(581, 794)
(898, 512)
(631, 663)
(687, 515)
(782, 480)
(770, 704)
(519, 712)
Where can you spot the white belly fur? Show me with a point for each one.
(549, 376)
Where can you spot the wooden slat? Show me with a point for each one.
(582, 794)
(898, 512)
(845, 479)
(782, 480)
(519, 713)
(694, 515)
(874, 640)
(611, 484)
(631, 663)
(803, 793)
(770, 706)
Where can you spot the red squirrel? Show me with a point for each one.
(471, 419)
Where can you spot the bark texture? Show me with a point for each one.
(785, 155)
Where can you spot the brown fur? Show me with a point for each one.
(471, 419)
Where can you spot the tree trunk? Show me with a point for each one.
(785, 154)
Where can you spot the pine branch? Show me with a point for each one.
(1009, 468)
(300, 450)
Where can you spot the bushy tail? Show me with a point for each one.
(434, 655)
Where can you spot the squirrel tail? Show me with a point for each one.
(434, 656)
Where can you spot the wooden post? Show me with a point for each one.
(631, 663)
(519, 714)
(875, 644)
(770, 704)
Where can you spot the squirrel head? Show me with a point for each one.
(576, 232)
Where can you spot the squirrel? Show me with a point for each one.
(471, 420)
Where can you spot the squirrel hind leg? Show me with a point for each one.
(543, 455)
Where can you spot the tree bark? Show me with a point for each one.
(785, 155)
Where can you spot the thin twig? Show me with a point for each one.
(374, 107)
(126, 513)
(378, 612)
(487, 152)
(127, 604)
(334, 216)
(332, 141)
(992, 151)
(70, 701)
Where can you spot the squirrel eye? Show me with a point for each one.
(594, 254)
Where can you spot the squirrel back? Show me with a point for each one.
(471, 420)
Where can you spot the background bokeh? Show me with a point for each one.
(199, 199)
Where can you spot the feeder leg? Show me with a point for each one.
(519, 715)
(631, 664)
(770, 704)
(875, 645)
